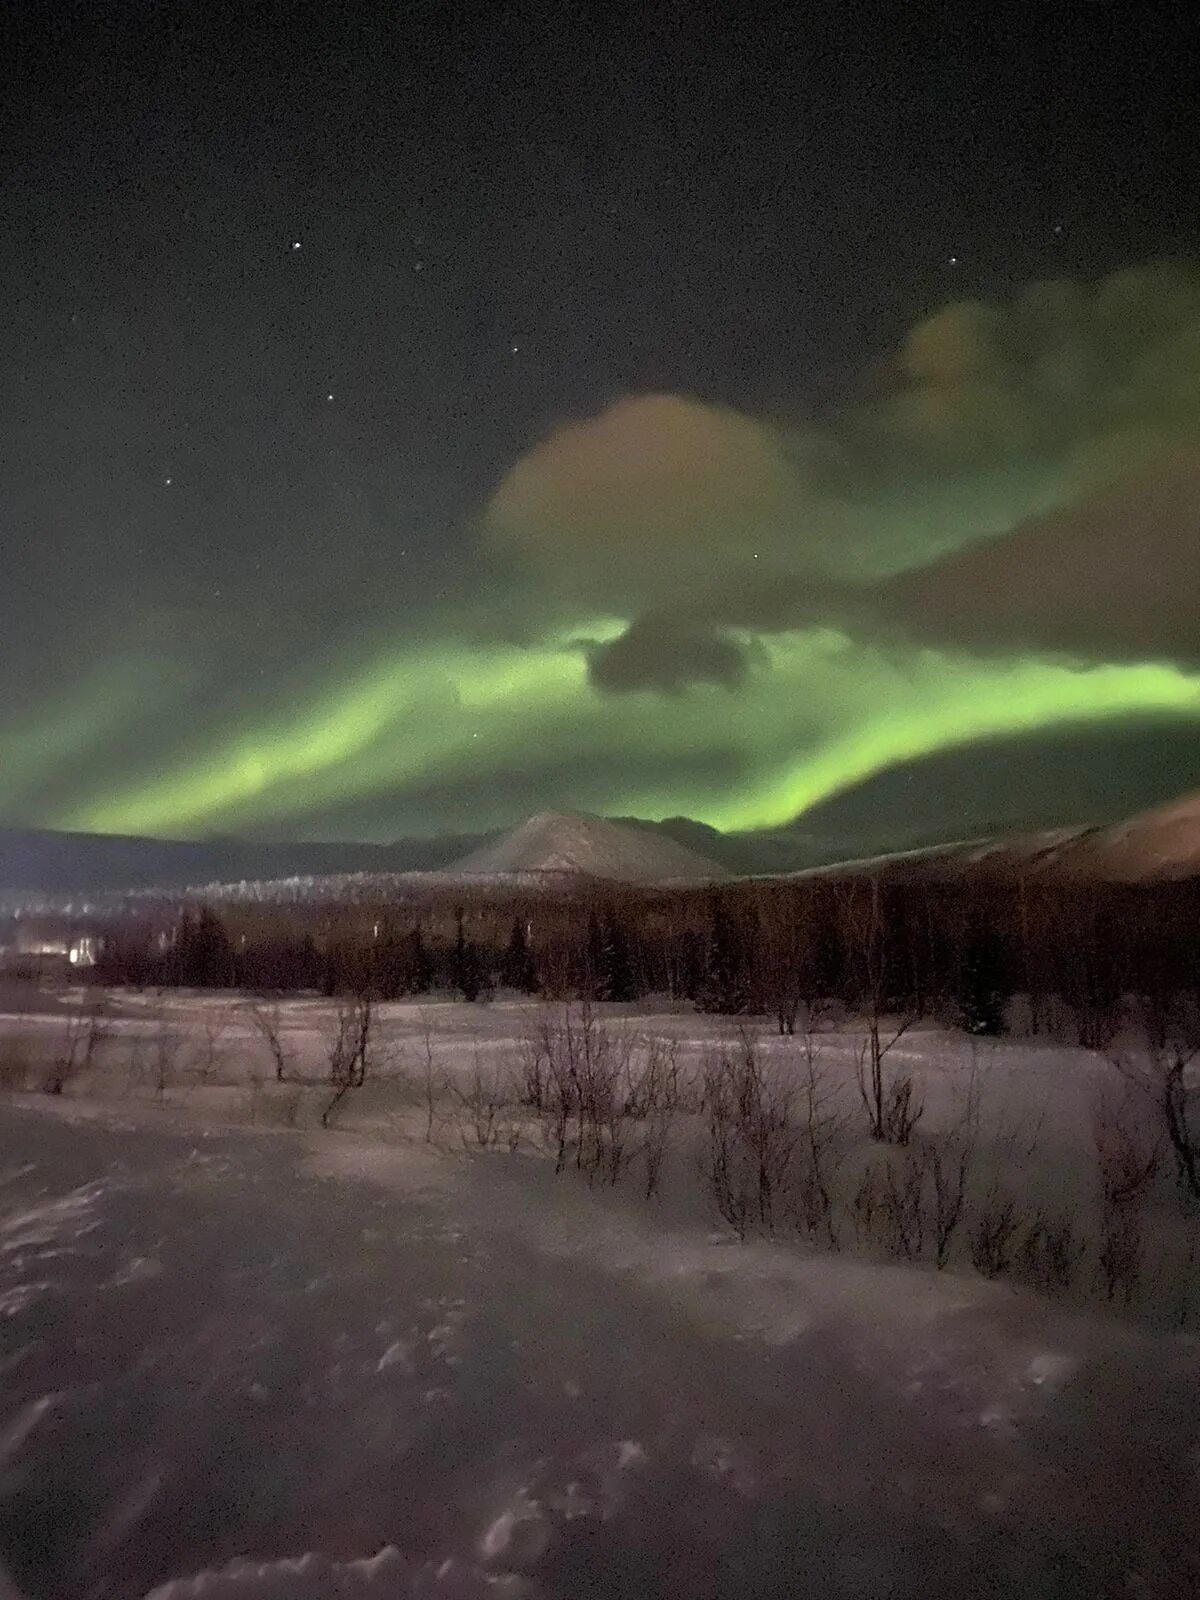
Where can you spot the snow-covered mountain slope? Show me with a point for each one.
(1156, 846)
(574, 842)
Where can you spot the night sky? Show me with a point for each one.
(419, 415)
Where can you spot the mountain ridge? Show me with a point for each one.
(579, 843)
(1159, 843)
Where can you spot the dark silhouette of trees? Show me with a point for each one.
(982, 985)
(609, 966)
(466, 968)
(724, 988)
(517, 968)
(202, 955)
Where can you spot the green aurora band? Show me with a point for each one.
(819, 713)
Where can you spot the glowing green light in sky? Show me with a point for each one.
(821, 714)
(945, 701)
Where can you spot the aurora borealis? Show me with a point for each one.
(499, 701)
(429, 469)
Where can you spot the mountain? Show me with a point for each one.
(574, 842)
(38, 865)
(1157, 846)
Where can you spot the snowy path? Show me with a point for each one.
(289, 1354)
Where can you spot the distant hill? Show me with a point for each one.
(39, 865)
(50, 863)
(575, 842)
(1157, 846)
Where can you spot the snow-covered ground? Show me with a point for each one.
(275, 1360)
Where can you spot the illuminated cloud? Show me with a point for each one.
(648, 497)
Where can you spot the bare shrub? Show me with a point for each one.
(888, 1208)
(901, 1111)
(482, 1108)
(1163, 1072)
(433, 1082)
(891, 1110)
(1127, 1153)
(580, 1076)
(723, 1165)
(559, 1104)
(822, 1124)
(864, 1207)
(1178, 1098)
(948, 1171)
(1121, 1250)
(948, 1160)
(154, 1058)
(14, 1066)
(655, 1141)
(653, 1096)
(1127, 1156)
(654, 1081)
(535, 1051)
(78, 1046)
(163, 1055)
(752, 1138)
(1051, 1254)
(902, 1207)
(267, 1020)
(602, 1070)
(915, 1199)
(993, 1233)
(348, 1050)
(210, 1053)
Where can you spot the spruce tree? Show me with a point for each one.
(517, 966)
(418, 964)
(724, 989)
(981, 994)
(203, 955)
(466, 966)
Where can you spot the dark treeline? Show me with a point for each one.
(959, 951)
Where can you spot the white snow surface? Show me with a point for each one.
(280, 1363)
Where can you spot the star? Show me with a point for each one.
(953, 261)
(168, 482)
(295, 244)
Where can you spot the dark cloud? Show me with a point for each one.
(658, 652)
